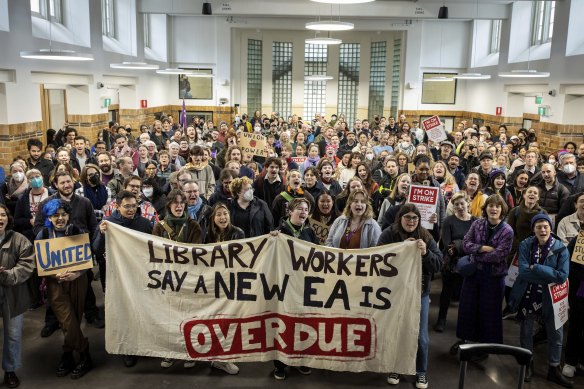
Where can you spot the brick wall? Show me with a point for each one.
(13, 138)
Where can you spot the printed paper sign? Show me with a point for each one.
(252, 143)
(559, 293)
(578, 254)
(513, 272)
(320, 229)
(298, 160)
(435, 129)
(55, 256)
(263, 299)
(426, 199)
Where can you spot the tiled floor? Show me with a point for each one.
(41, 356)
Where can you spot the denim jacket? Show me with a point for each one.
(554, 270)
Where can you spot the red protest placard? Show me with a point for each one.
(435, 129)
(425, 198)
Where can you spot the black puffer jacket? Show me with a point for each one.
(431, 262)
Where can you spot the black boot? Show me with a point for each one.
(555, 375)
(529, 372)
(439, 326)
(66, 365)
(85, 364)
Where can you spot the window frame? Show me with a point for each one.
(495, 41)
(108, 18)
(349, 79)
(542, 22)
(44, 10)
(315, 63)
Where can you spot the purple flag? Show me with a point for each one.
(183, 116)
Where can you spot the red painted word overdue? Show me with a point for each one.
(340, 338)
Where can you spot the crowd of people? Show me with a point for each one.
(500, 198)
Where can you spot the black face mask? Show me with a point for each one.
(94, 180)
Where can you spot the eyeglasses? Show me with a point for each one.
(411, 218)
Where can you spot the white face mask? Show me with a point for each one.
(248, 195)
(569, 169)
(257, 129)
(148, 192)
(18, 176)
(369, 156)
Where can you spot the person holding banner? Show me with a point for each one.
(67, 293)
(356, 227)
(295, 225)
(488, 242)
(16, 267)
(407, 227)
(543, 260)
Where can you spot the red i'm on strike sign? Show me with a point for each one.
(425, 198)
(435, 129)
(559, 293)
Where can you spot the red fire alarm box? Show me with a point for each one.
(498, 111)
(143, 103)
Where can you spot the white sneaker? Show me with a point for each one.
(166, 363)
(189, 364)
(227, 367)
(393, 379)
(421, 381)
(569, 371)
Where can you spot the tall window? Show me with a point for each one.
(542, 23)
(47, 8)
(377, 78)
(350, 55)
(495, 36)
(254, 75)
(108, 25)
(147, 36)
(395, 76)
(282, 78)
(315, 60)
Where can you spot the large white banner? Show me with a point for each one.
(261, 299)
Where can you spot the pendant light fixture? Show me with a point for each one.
(331, 24)
(474, 75)
(52, 54)
(323, 40)
(174, 71)
(130, 65)
(525, 73)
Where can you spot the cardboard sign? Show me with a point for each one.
(513, 272)
(320, 229)
(425, 198)
(411, 168)
(435, 129)
(69, 253)
(252, 143)
(578, 254)
(559, 293)
(298, 160)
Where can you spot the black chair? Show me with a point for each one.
(471, 351)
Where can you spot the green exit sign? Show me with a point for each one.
(538, 99)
